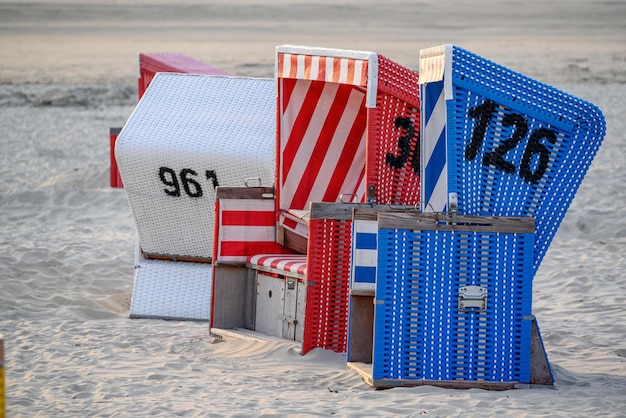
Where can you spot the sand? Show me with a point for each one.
(68, 73)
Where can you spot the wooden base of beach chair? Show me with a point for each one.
(234, 295)
(541, 376)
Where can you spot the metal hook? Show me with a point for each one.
(355, 197)
(247, 181)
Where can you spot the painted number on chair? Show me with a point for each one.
(535, 146)
(407, 127)
(186, 180)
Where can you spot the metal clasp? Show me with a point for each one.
(472, 299)
(251, 180)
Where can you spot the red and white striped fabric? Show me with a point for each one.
(295, 264)
(322, 126)
(343, 70)
(245, 227)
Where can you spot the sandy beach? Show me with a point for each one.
(68, 73)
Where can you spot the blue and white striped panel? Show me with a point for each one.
(364, 254)
(433, 141)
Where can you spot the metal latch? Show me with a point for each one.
(472, 299)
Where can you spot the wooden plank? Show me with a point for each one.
(365, 214)
(539, 367)
(365, 370)
(300, 214)
(294, 241)
(369, 212)
(251, 335)
(361, 341)
(229, 297)
(344, 210)
(244, 193)
(249, 318)
(359, 292)
(444, 222)
(174, 257)
(339, 211)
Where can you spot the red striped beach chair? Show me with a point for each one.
(348, 123)
(347, 130)
(245, 226)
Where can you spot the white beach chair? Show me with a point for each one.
(148, 66)
(188, 135)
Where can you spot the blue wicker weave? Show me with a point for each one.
(513, 146)
(419, 331)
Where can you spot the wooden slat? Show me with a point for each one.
(359, 292)
(244, 192)
(365, 370)
(361, 319)
(539, 366)
(369, 212)
(344, 210)
(339, 211)
(440, 222)
(173, 257)
(294, 241)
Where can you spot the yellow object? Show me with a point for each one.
(2, 404)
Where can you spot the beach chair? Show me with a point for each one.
(348, 129)
(151, 64)
(502, 157)
(188, 135)
(499, 143)
(245, 225)
(148, 66)
(452, 305)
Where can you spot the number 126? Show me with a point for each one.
(496, 158)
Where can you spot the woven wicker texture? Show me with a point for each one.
(328, 274)
(393, 131)
(172, 290)
(515, 146)
(419, 330)
(187, 135)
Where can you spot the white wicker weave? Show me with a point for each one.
(188, 134)
(172, 290)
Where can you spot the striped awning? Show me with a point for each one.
(321, 68)
(295, 264)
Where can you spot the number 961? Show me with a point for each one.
(188, 179)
